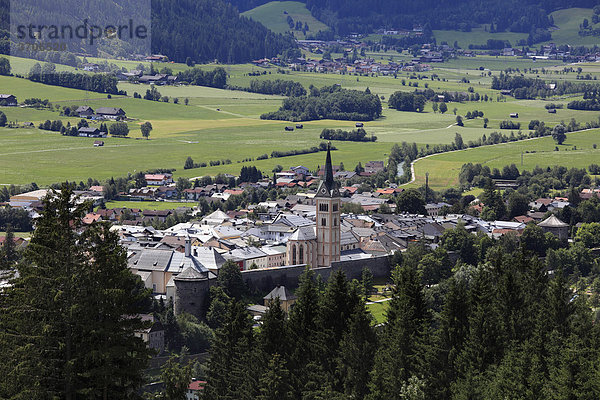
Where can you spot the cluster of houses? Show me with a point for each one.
(307, 228)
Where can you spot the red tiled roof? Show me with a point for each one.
(197, 385)
(523, 219)
(91, 218)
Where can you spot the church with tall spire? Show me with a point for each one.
(319, 246)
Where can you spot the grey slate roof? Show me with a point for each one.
(304, 233)
(282, 293)
(552, 222)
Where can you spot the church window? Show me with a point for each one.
(323, 222)
(301, 255)
(294, 254)
(323, 207)
(335, 207)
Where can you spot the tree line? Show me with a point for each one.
(355, 135)
(101, 83)
(329, 102)
(278, 87)
(195, 76)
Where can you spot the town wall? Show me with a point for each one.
(192, 296)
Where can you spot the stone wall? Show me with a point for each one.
(191, 296)
(264, 280)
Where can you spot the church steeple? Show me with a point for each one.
(328, 219)
(329, 169)
(328, 186)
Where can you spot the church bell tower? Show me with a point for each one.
(328, 217)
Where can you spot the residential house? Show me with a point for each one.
(8, 100)
(248, 257)
(158, 179)
(154, 336)
(286, 298)
(195, 389)
(111, 113)
(374, 166)
(90, 132)
(84, 111)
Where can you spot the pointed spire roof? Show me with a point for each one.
(328, 186)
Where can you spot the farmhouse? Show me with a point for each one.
(110, 112)
(90, 132)
(84, 111)
(8, 100)
(158, 179)
(159, 79)
(91, 67)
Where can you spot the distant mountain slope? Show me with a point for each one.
(364, 16)
(211, 29)
(287, 16)
(204, 30)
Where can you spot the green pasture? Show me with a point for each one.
(224, 124)
(577, 151)
(274, 15)
(567, 22)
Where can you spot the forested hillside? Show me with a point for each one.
(364, 16)
(211, 29)
(203, 30)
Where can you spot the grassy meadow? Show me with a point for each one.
(225, 125)
(274, 15)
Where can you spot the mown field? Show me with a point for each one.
(225, 125)
(577, 151)
(566, 21)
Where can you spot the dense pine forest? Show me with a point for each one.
(202, 30)
(498, 323)
(207, 30)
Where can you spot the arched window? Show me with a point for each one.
(301, 256)
(293, 254)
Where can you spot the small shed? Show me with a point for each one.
(289, 128)
(299, 126)
(552, 111)
(514, 115)
(359, 124)
(98, 143)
